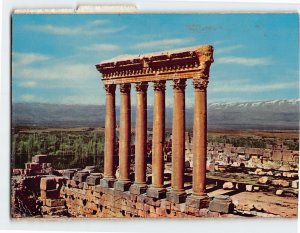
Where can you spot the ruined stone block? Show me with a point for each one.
(221, 204)
(107, 183)
(249, 187)
(68, 173)
(48, 183)
(156, 192)
(138, 189)
(33, 166)
(55, 202)
(81, 176)
(175, 197)
(93, 180)
(282, 183)
(295, 184)
(228, 185)
(122, 185)
(40, 159)
(198, 202)
(52, 194)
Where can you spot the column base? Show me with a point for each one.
(221, 204)
(122, 185)
(93, 180)
(158, 193)
(107, 182)
(138, 189)
(198, 202)
(176, 197)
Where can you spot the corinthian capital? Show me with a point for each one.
(141, 87)
(110, 88)
(205, 56)
(125, 88)
(200, 83)
(179, 84)
(159, 85)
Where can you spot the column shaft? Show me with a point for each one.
(200, 137)
(158, 135)
(110, 133)
(141, 133)
(178, 136)
(124, 133)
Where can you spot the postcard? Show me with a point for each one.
(155, 115)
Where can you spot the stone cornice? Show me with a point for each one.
(180, 64)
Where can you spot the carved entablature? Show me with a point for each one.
(184, 63)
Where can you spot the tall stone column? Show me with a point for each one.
(199, 199)
(177, 194)
(157, 189)
(139, 185)
(123, 182)
(110, 137)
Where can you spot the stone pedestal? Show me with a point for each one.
(93, 180)
(176, 197)
(221, 204)
(122, 185)
(198, 202)
(158, 193)
(107, 183)
(138, 188)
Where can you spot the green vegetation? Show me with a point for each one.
(240, 141)
(252, 142)
(66, 149)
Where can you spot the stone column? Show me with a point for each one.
(157, 189)
(139, 185)
(110, 136)
(177, 194)
(123, 182)
(199, 199)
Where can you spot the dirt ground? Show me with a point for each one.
(282, 134)
(266, 202)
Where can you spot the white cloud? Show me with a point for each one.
(27, 97)
(59, 71)
(100, 47)
(163, 43)
(72, 30)
(29, 84)
(237, 86)
(244, 61)
(28, 58)
(228, 49)
(99, 22)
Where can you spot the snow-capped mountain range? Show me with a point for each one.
(275, 114)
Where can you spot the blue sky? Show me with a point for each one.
(256, 55)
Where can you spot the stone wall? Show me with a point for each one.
(85, 200)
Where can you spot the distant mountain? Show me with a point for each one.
(277, 114)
